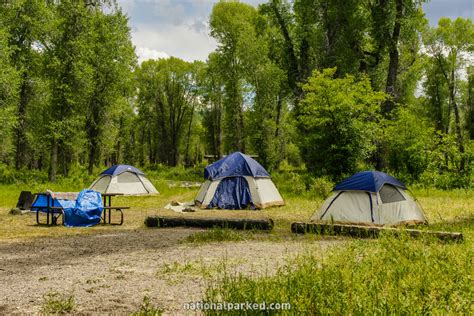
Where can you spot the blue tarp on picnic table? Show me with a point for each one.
(86, 210)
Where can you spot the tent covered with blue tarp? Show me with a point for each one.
(370, 198)
(235, 165)
(237, 181)
(84, 210)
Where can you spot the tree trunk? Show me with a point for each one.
(277, 119)
(188, 138)
(470, 106)
(218, 127)
(91, 162)
(293, 69)
(53, 163)
(457, 120)
(234, 223)
(21, 142)
(390, 87)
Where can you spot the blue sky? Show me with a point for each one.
(162, 28)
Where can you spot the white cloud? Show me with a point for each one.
(178, 27)
(145, 53)
(180, 41)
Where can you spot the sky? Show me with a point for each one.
(180, 28)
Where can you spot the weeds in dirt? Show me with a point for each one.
(147, 308)
(219, 234)
(56, 303)
(177, 267)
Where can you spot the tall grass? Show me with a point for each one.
(387, 276)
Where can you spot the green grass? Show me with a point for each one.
(56, 303)
(385, 276)
(147, 309)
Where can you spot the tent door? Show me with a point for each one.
(232, 193)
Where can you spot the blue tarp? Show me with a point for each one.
(232, 194)
(233, 165)
(118, 169)
(85, 211)
(370, 181)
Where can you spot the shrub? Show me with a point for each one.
(337, 122)
(322, 187)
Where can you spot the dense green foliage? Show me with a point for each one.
(388, 276)
(326, 87)
(339, 120)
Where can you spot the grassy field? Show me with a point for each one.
(447, 210)
(384, 276)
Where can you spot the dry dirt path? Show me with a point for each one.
(113, 272)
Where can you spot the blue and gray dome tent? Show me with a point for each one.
(124, 179)
(237, 182)
(373, 198)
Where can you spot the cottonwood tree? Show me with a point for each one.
(9, 86)
(167, 96)
(229, 21)
(111, 59)
(449, 45)
(212, 92)
(70, 82)
(27, 23)
(243, 36)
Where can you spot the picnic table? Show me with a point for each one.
(54, 212)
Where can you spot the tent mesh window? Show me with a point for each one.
(390, 194)
(102, 184)
(127, 177)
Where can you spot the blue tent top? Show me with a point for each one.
(118, 169)
(371, 181)
(233, 165)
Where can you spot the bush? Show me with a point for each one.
(322, 187)
(289, 182)
(337, 122)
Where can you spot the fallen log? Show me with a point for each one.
(368, 231)
(246, 224)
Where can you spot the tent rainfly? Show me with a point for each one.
(123, 179)
(237, 182)
(370, 198)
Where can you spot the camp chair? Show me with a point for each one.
(25, 200)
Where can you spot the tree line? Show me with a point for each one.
(334, 86)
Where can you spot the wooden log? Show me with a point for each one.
(368, 231)
(246, 224)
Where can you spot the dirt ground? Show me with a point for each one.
(113, 272)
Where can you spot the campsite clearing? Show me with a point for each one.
(113, 268)
(113, 272)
